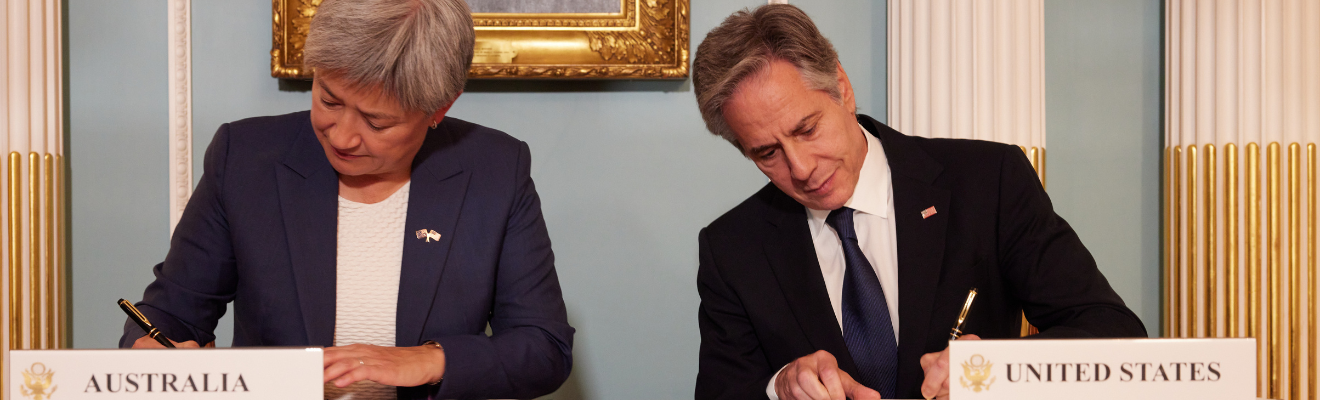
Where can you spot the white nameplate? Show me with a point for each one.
(270, 373)
(1103, 369)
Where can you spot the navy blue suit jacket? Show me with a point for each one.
(260, 231)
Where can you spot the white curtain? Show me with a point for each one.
(970, 69)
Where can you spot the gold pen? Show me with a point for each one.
(962, 316)
(142, 322)
(957, 329)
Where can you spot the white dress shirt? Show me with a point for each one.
(873, 198)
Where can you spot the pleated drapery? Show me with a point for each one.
(969, 69)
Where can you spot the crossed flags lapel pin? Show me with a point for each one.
(428, 235)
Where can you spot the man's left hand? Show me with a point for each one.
(936, 366)
(392, 366)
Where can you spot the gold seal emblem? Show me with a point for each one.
(976, 374)
(37, 382)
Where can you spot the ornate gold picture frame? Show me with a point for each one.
(647, 39)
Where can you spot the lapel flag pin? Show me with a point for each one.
(428, 235)
(928, 212)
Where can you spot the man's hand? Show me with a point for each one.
(817, 376)
(936, 366)
(392, 366)
(146, 342)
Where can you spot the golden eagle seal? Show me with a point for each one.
(37, 382)
(976, 370)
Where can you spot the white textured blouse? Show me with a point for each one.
(368, 257)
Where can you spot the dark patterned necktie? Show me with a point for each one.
(867, 329)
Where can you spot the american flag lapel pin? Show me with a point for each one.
(928, 212)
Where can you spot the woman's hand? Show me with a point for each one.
(146, 342)
(393, 366)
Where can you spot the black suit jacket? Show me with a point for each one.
(763, 299)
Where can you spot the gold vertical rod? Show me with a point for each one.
(1193, 289)
(1041, 171)
(51, 295)
(1255, 320)
(62, 216)
(1311, 270)
(34, 251)
(1175, 273)
(15, 251)
(1035, 161)
(1040, 163)
(1031, 156)
(1294, 271)
(1169, 246)
(1273, 261)
(1231, 242)
(1211, 268)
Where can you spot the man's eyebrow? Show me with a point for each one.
(802, 124)
(758, 149)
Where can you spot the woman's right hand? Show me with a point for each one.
(146, 342)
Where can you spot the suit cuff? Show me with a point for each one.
(469, 371)
(770, 387)
(169, 326)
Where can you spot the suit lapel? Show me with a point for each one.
(793, 259)
(439, 185)
(308, 188)
(920, 240)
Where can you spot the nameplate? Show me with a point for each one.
(270, 373)
(1102, 369)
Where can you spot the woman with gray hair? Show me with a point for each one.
(374, 225)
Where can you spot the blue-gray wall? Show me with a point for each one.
(626, 171)
(1102, 117)
(117, 155)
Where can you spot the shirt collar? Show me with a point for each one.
(873, 193)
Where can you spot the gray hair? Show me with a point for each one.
(746, 43)
(419, 51)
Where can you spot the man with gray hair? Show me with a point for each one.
(862, 231)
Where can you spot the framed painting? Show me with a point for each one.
(537, 39)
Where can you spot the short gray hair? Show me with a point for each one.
(419, 51)
(746, 43)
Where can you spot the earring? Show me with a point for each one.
(435, 124)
